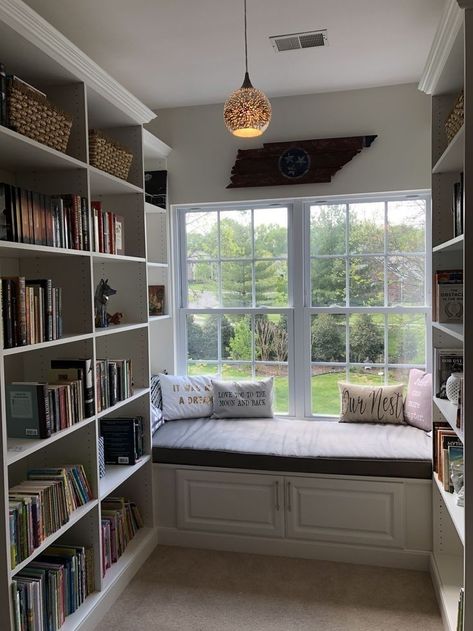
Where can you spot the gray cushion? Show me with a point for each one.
(296, 445)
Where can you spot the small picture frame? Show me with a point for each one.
(156, 300)
(156, 188)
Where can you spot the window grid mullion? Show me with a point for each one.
(253, 270)
(347, 292)
(219, 264)
(386, 289)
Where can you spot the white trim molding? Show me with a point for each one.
(36, 30)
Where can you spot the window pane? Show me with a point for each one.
(271, 339)
(237, 281)
(202, 368)
(367, 338)
(237, 337)
(279, 373)
(328, 278)
(202, 289)
(201, 235)
(237, 371)
(367, 282)
(271, 283)
(406, 339)
(235, 234)
(399, 375)
(366, 376)
(366, 228)
(325, 393)
(270, 232)
(328, 229)
(328, 338)
(406, 276)
(406, 225)
(202, 336)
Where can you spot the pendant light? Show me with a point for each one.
(247, 111)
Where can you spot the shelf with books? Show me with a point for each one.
(138, 392)
(447, 570)
(12, 249)
(451, 159)
(102, 183)
(65, 339)
(454, 330)
(115, 475)
(452, 245)
(75, 517)
(457, 513)
(449, 412)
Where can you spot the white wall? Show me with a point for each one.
(204, 152)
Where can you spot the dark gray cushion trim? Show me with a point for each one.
(420, 469)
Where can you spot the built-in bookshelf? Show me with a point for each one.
(447, 74)
(34, 50)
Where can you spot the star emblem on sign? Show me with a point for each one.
(294, 163)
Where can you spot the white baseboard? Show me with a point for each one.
(323, 551)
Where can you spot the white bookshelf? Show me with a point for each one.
(33, 49)
(447, 73)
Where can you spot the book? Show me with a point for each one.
(446, 361)
(84, 366)
(123, 439)
(448, 296)
(454, 456)
(156, 300)
(444, 475)
(28, 414)
(119, 235)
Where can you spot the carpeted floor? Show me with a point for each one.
(182, 589)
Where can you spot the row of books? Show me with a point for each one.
(42, 504)
(31, 217)
(109, 230)
(31, 311)
(448, 452)
(114, 382)
(123, 439)
(37, 409)
(447, 296)
(52, 587)
(121, 520)
(446, 362)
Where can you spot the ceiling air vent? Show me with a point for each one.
(296, 41)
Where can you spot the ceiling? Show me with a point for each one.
(188, 52)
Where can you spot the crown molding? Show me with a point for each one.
(447, 31)
(36, 30)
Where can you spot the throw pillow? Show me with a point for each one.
(418, 404)
(246, 399)
(186, 397)
(371, 404)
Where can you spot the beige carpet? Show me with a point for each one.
(181, 589)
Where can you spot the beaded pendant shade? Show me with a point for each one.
(247, 111)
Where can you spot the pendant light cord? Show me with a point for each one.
(246, 43)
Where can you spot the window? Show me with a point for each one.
(310, 293)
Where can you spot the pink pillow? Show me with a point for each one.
(418, 403)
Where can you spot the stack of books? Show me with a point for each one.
(447, 297)
(123, 439)
(37, 410)
(448, 449)
(30, 217)
(121, 520)
(114, 382)
(52, 587)
(31, 311)
(42, 504)
(109, 230)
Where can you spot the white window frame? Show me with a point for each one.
(299, 310)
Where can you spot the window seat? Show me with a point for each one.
(299, 446)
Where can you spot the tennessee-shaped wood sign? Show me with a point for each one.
(296, 162)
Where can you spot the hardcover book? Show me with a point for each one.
(156, 300)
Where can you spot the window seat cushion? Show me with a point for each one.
(296, 445)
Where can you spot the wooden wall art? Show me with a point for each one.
(297, 162)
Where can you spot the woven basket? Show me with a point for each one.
(108, 155)
(31, 114)
(454, 122)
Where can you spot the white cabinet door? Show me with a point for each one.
(345, 511)
(236, 503)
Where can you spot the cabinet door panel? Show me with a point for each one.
(237, 503)
(345, 511)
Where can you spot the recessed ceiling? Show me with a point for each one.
(188, 52)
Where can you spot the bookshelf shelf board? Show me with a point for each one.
(451, 245)
(19, 448)
(101, 256)
(151, 209)
(119, 328)
(18, 152)
(448, 571)
(166, 316)
(449, 412)
(65, 339)
(455, 330)
(451, 159)
(457, 513)
(102, 183)
(10, 249)
(158, 265)
(143, 538)
(139, 392)
(116, 474)
(73, 519)
(153, 148)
